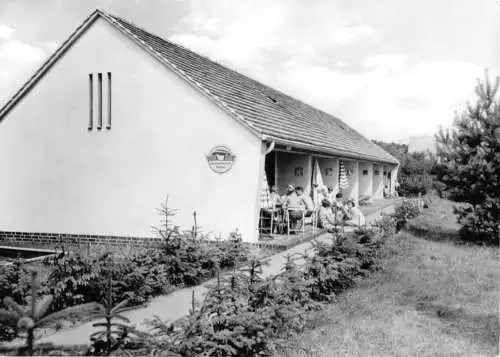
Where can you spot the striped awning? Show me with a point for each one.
(343, 181)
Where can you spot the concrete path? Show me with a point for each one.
(168, 307)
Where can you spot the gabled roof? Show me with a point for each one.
(267, 112)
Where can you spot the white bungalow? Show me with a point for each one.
(117, 118)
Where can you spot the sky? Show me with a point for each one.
(391, 69)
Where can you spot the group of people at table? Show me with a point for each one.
(330, 207)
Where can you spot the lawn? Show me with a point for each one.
(433, 297)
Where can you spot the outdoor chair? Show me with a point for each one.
(266, 221)
(312, 219)
(315, 220)
(294, 224)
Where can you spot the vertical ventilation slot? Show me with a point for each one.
(99, 101)
(108, 125)
(91, 101)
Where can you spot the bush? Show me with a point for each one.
(480, 224)
(179, 262)
(246, 315)
(387, 225)
(14, 282)
(242, 314)
(409, 209)
(412, 189)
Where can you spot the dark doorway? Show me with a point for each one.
(270, 167)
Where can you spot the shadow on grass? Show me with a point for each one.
(479, 328)
(435, 234)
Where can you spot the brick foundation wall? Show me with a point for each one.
(52, 239)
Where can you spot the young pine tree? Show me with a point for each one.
(469, 164)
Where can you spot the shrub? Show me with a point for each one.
(35, 314)
(387, 225)
(115, 326)
(480, 224)
(182, 259)
(411, 188)
(72, 281)
(409, 209)
(14, 282)
(244, 314)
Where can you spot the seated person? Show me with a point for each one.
(386, 192)
(268, 208)
(330, 195)
(293, 204)
(338, 207)
(354, 216)
(289, 190)
(320, 196)
(326, 217)
(275, 197)
(305, 201)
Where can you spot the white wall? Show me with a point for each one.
(287, 162)
(394, 178)
(385, 180)
(333, 178)
(365, 181)
(378, 184)
(58, 177)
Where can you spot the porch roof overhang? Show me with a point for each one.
(284, 145)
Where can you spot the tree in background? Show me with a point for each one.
(469, 164)
(399, 151)
(415, 168)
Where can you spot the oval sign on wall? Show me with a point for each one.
(220, 159)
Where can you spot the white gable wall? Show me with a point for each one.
(56, 176)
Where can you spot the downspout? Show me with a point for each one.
(270, 147)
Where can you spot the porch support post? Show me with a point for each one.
(355, 188)
(369, 189)
(260, 176)
(394, 178)
(275, 153)
(308, 188)
(378, 184)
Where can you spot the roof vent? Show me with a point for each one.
(273, 99)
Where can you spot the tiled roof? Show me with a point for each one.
(269, 113)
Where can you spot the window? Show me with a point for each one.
(100, 101)
(108, 125)
(91, 101)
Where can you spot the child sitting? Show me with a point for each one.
(326, 217)
(354, 216)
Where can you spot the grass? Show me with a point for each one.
(433, 297)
